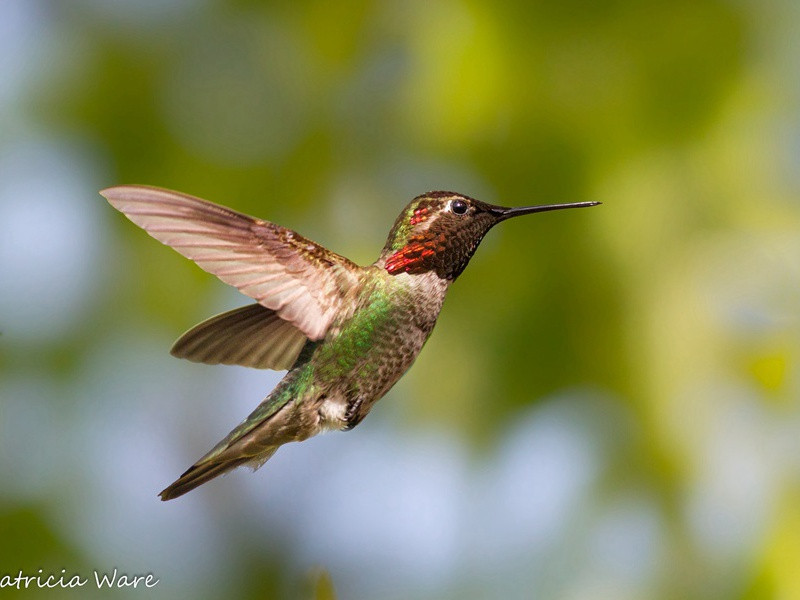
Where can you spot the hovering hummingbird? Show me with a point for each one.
(346, 333)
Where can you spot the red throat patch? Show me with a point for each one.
(417, 256)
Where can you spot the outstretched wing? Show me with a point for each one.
(298, 279)
(250, 336)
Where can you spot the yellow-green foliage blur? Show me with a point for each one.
(609, 407)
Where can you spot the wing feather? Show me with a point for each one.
(251, 336)
(300, 280)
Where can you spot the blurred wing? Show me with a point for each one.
(298, 279)
(251, 336)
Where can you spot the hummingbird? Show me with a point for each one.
(346, 333)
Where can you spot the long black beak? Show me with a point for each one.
(502, 213)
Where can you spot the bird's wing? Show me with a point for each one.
(250, 336)
(298, 279)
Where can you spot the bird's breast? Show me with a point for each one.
(367, 351)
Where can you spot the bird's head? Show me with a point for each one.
(440, 231)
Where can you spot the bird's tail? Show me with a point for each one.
(205, 470)
(252, 442)
(198, 474)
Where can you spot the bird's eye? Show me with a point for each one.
(459, 207)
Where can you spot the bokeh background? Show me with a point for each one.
(609, 405)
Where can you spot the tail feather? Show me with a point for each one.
(198, 474)
(207, 469)
(252, 442)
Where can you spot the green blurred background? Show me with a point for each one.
(608, 408)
